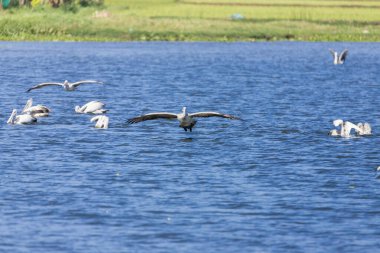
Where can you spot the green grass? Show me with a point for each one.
(199, 20)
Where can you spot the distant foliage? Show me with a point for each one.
(85, 3)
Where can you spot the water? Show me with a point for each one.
(275, 182)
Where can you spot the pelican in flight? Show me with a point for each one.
(66, 85)
(339, 58)
(345, 128)
(37, 110)
(93, 107)
(21, 119)
(186, 120)
(365, 129)
(101, 121)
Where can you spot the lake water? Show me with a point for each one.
(275, 182)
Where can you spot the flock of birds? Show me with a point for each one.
(30, 113)
(186, 120)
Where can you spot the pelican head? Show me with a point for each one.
(77, 109)
(338, 122)
(12, 118)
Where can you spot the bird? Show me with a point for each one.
(339, 59)
(101, 121)
(66, 85)
(365, 129)
(21, 119)
(345, 128)
(93, 107)
(37, 110)
(186, 120)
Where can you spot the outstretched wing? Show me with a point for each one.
(41, 85)
(332, 52)
(76, 84)
(343, 55)
(151, 116)
(212, 114)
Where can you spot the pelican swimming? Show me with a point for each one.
(66, 85)
(339, 58)
(37, 110)
(93, 107)
(186, 120)
(365, 129)
(101, 121)
(345, 128)
(21, 119)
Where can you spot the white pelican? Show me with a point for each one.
(365, 129)
(37, 110)
(21, 119)
(66, 85)
(345, 128)
(186, 120)
(339, 59)
(101, 121)
(93, 107)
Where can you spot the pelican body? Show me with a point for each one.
(66, 85)
(365, 129)
(339, 58)
(345, 128)
(186, 120)
(101, 121)
(93, 107)
(21, 119)
(37, 110)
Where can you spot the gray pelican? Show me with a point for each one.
(365, 129)
(339, 59)
(93, 107)
(345, 128)
(21, 119)
(186, 120)
(37, 110)
(101, 121)
(66, 85)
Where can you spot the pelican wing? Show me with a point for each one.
(28, 104)
(343, 55)
(151, 116)
(41, 85)
(76, 84)
(212, 114)
(332, 52)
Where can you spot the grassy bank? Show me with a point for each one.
(198, 20)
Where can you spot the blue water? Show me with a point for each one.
(275, 182)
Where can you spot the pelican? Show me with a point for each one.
(186, 120)
(339, 59)
(365, 129)
(101, 121)
(66, 85)
(37, 110)
(93, 107)
(345, 128)
(21, 119)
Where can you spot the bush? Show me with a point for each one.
(85, 3)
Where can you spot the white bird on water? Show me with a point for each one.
(66, 85)
(21, 119)
(186, 120)
(365, 129)
(37, 110)
(339, 58)
(345, 128)
(101, 121)
(93, 107)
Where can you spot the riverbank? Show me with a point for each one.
(197, 20)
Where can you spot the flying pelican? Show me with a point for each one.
(37, 110)
(365, 129)
(339, 59)
(21, 119)
(101, 121)
(93, 107)
(345, 128)
(186, 120)
(66, 85)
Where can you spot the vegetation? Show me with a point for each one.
(194, 20)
